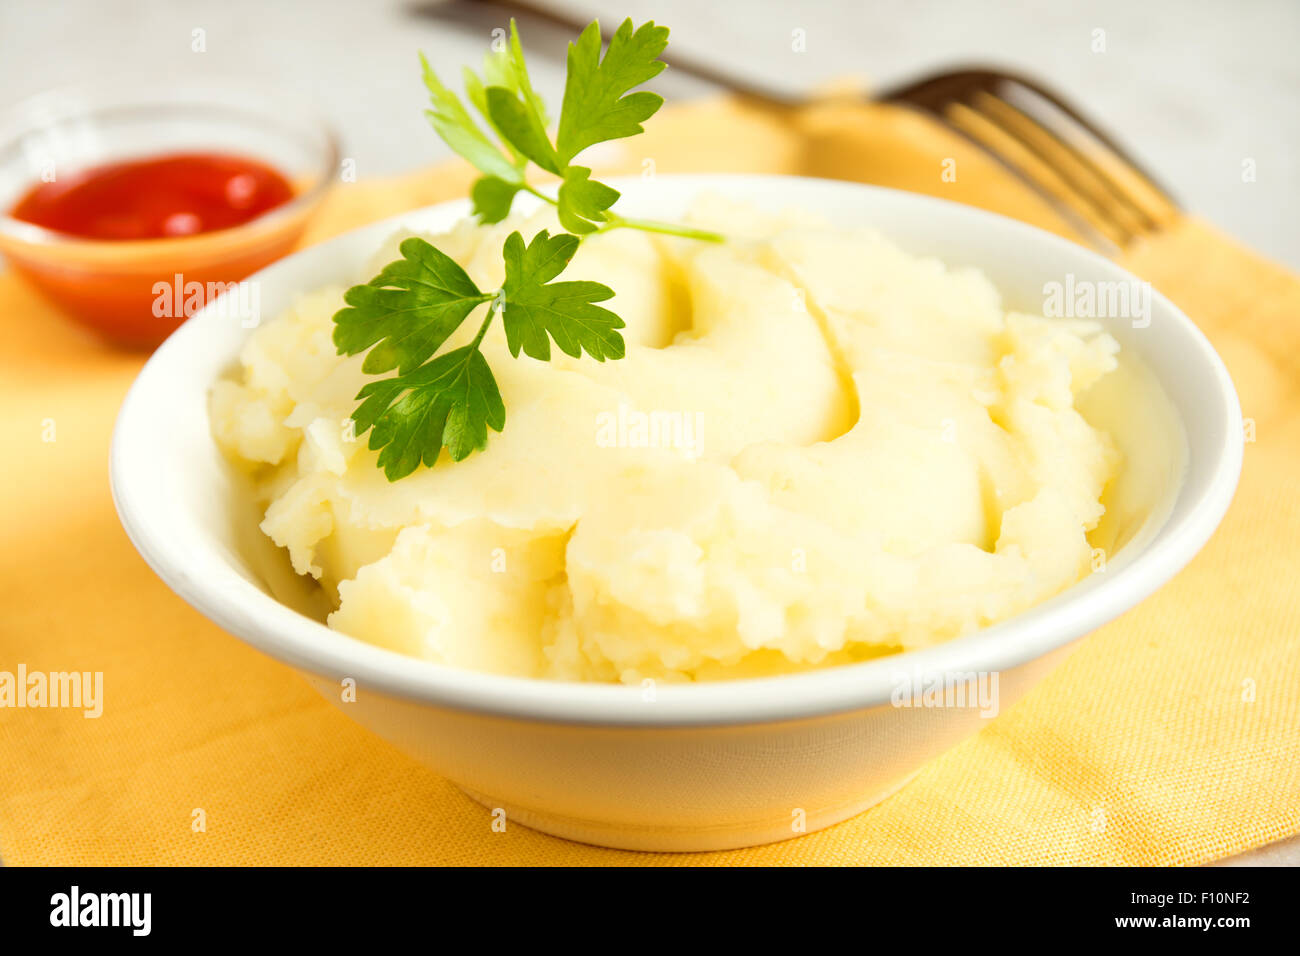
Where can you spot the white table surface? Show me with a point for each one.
(1193, 88)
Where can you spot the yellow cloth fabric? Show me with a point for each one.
(1171, 736)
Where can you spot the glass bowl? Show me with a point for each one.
(136, 292)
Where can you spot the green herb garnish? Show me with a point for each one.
(407, 313)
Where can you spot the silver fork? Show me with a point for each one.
(1094, 185)
(1097, 187)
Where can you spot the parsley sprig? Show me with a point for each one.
(402, 317)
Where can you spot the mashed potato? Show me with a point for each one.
(818, 449)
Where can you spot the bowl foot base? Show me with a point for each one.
(657, 839)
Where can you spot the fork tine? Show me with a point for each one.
(1038, 173)
(1093, 147)
(1151, 186)
(1101, 192)
(1106, 195)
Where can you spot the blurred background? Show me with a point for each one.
(1194, 89)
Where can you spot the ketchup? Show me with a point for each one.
(170, 196)
(187, 203)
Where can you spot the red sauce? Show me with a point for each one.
(162, 197)
(192, 199)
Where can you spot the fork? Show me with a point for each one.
(1088, 178)
(1094, 185)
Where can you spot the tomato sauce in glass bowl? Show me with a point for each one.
(115, 205)
(156, 198)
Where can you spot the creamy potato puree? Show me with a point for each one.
(818, 449)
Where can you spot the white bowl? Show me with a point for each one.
(687, 767)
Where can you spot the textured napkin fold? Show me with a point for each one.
(1171, 736)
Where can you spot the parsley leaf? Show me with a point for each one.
(404, 315)
(599, 105)
(449, 402)
(595, 106)
(513, 107)
(506, 69)
(582, 200)
(410, 309)
(493, 198)
(477, 94)
(452, 122)
(521, 127)
(536, 307)
(514, 56)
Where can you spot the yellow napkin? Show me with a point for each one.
(1171, 736)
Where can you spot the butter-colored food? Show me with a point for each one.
(818, 449)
